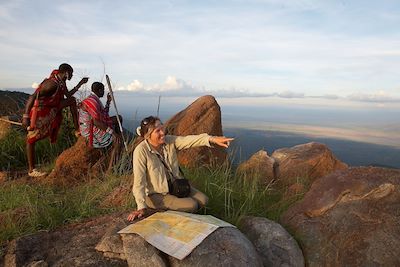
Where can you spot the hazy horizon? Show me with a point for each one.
(358, 134)
(365, 122)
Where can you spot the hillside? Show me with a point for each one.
(12, 103)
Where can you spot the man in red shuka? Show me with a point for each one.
(43, 111)
(99, 129)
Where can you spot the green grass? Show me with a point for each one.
(13, 151)
(232, 195)
(27, 208)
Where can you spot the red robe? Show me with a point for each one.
(49, 117)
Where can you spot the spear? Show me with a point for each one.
(116, 110)
(12, 122)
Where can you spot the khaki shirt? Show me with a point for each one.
(150, 175)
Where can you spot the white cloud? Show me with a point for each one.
(379, 97)
(133, 86)
(290, 94)
(170, 85)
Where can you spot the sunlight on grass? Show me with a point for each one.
(28, 208)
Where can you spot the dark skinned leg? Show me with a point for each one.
(71, 103)
(30, 151)
(115, 123)
(74, 112)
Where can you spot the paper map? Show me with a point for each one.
(175, 233)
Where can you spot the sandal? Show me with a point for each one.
(36, 173)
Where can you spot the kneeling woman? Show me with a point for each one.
(155, 161)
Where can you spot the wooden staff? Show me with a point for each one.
(116, 110)
(12, 122)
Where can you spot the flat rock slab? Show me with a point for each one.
(72, 245)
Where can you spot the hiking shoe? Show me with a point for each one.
(36, 173)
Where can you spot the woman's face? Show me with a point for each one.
(157, 137)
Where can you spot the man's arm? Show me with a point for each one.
(76, 88)
(107, 107)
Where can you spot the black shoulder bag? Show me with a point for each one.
(178, 187)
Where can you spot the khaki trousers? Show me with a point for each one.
(192, 203)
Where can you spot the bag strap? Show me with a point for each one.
(170, 174)
(167, 167)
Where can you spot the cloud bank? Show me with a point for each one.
(173, 86)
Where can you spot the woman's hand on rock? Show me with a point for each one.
(221, 141)
(136, 214)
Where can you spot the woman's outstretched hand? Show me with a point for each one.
(136, 214)
(221, 141)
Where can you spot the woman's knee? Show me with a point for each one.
(187, 204)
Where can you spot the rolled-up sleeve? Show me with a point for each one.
(183, 142)
(139, 177)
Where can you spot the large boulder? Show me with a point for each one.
(306, 161)
(259, 166)
(226, 246)
(140, 253)
(111, 243)
(350, 218)
(273, 243)
(78, 162)
(202, 116)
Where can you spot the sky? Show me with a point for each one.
(334, 51)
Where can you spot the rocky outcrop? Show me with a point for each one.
(296, 166)
(97, 243)
(140, 253)
(224, 247)
(273, 243)
(77, 163)
(202, 116)
(350, 218)
(111, 244)
(260, 167)
(72, 245)
(306, 161)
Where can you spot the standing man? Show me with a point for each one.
(97, 126)
(43, 111)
